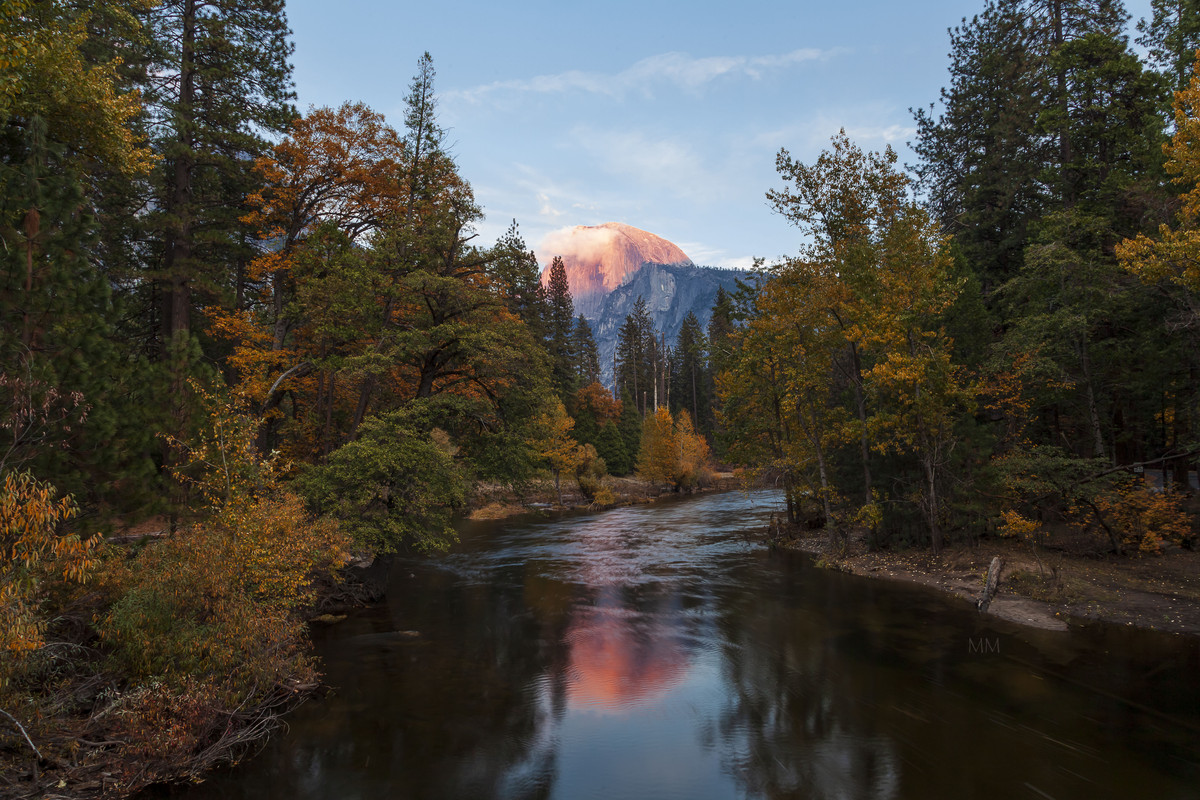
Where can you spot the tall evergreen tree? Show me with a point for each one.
(1045, 103)
(630, 427)
(982, 158)
(1172, 36)
(721, 355)
(1111, 113)
(73, 404)
(560, 329)
(637, 356)
(690, 378)
(587, 354)
(514, 272)
(220, 83)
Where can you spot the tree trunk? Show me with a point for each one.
(179, 199)
(861, 407)
(1093, 412)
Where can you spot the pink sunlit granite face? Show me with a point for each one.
(597, 258)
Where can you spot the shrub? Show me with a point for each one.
(1144, 518)
(34, 559)
(216, 602)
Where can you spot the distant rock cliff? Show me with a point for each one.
(671, 292)
(610, 266)
(600, 258)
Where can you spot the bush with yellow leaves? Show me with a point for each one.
(218, 600)
(1144, 518)
(34, 560)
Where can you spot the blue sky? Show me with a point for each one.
(663, 115)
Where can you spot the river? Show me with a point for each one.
(660, 652)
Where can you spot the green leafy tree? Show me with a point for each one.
(395, 486)
(856, 317)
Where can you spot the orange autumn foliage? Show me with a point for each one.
(336, 166)
(672, 451)
(1144, 517)
(33, 556)
(599, 402)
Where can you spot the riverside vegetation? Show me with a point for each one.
(277, 334)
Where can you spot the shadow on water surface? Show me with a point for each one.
(658, 652)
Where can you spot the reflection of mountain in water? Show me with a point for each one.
(651, 652)
(619, 658)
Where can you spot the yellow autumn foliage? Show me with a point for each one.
(44, 72)
(672, 451)
(1145, 518)
(33, 557)
(1172, 255)
(218, 600)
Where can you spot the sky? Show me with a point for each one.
(660, 114)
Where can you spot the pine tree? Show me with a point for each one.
(1046, 102)
(630, 427)
(1115, 122)
(637, 368)
(721, 353)
(587, 355)
(561, 323)
(1172, 36)
(690, 377)
(983, 158)
(73, 406)
(221, 83)
(515, 276)
(610, 445)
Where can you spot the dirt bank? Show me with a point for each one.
(1159, 592)
(493, 501)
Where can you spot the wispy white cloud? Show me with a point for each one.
(670, 164)
(679, 70)
(888, 134)
(707, 256)
(870, 128)
(546, 207)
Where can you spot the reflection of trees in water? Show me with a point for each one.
(839, 688)
(798, 719)
(462, 710)
(792, 724)
(472, 707)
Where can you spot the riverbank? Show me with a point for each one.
(1157, 592)
(495, 501)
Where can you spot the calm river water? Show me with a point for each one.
(656, 652)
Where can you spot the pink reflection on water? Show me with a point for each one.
(620, 657)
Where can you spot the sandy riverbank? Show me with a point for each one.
(492, 501)
(1157, 592)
